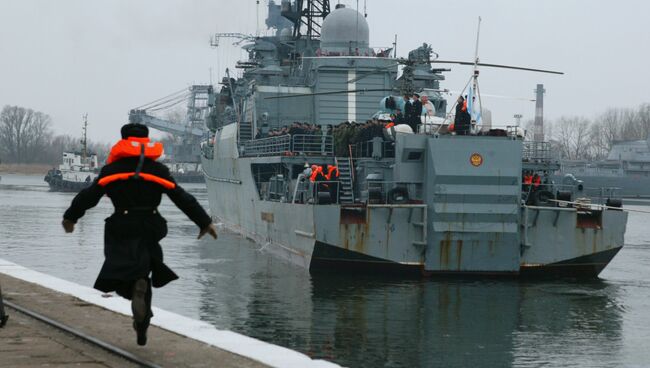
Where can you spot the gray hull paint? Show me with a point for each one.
(629, 186)
(284, 229)
(471, 220)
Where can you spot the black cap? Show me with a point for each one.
(134, 130)
(416, 95)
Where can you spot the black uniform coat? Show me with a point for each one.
(462, 121)
(416, 113)
(408, 110)
(132, 233)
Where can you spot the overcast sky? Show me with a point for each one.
(104, 57)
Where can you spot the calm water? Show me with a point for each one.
(352, 320)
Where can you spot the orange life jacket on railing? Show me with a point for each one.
(537, 180)
(332, 169)
(130, 147)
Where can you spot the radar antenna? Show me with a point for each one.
(306, 13)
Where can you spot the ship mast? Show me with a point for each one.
(306, 13)
(84, 140)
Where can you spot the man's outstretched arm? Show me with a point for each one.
(84, 200)
(191, 207)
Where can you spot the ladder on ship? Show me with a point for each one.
(346, 195)
(245, 131)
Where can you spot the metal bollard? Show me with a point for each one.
(3, 316)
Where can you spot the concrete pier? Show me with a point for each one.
(27, 342)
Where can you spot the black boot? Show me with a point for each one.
(141, 331)
(141, 308)
(138, 301)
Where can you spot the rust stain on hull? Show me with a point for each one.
(445, 247)
(354, 227)
(268, 217)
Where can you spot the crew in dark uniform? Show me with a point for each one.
(135, 182)
(408, 108)
(416, 113)
(463, 120)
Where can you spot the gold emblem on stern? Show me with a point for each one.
(476, 160)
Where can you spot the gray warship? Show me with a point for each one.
(626, 167)
(428, 202)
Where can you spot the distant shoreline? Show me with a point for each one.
(32, 169)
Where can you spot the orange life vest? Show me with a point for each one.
(464, 106)
(315, 171)
(149, 177)
(332, 169)
(390, 125)
(131, 147)
(537, 181)
(528, 179)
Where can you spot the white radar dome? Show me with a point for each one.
(345, 32)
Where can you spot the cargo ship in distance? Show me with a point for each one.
(426, 201)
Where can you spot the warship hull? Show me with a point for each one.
(468, 220)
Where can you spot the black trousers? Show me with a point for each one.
(125, 290)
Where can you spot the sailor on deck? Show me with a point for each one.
(463, 120)
(416, 113)
(135, 182)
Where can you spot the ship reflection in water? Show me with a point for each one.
(359, 321)
(354, 320)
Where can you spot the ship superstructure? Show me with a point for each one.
(432, 202)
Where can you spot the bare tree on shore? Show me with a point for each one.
(577, 138)
(23, 134)
(573, 137)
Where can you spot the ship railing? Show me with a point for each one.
(267, 146)
(308, 144)
(537, 152)
(307, 192)
(601, 195)
(373, 148)
(563, 192)
(312, 144)
(391, 192)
